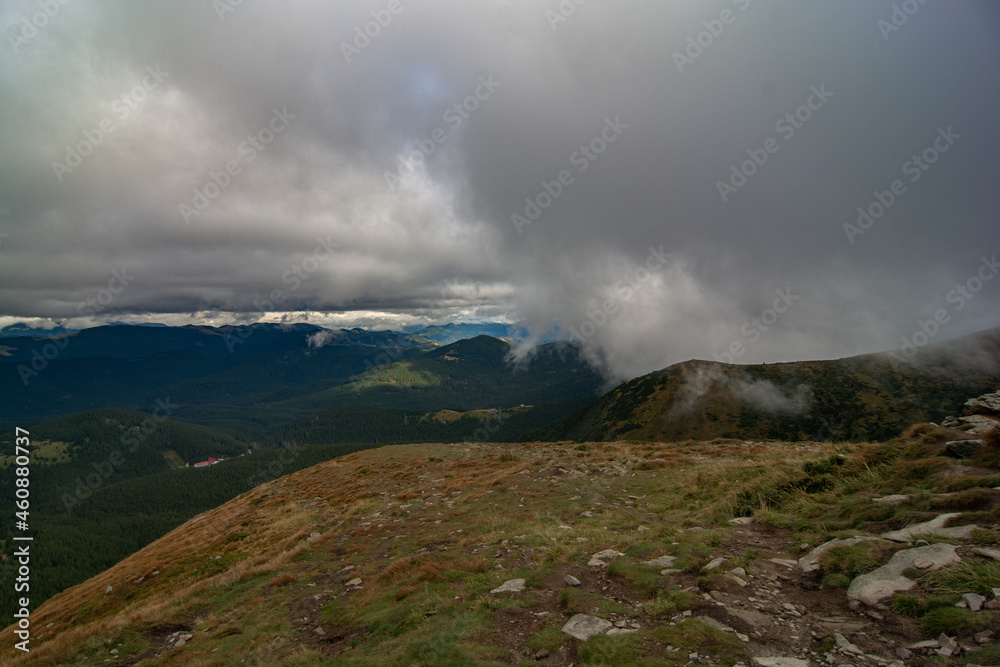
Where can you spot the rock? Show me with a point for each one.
(661, 562)
(510, 586)
(947, 644)
(962, 604)
(875, 586)
(780, 662)
(974, 424)
(715, 564)
(933, 527)
(786, 562)
(741, 521)
(596, 562)
(669, 570)
(354, 582)
(620, 631)
(894, 499)
(928, 643)
(845, 645)
(740, 582)
(988, 553)
(541, 655)
(974, 601)
(743, 638)
(571, 580)
(606, 554)
(712, 623)
(984, 637)
(108, 590)
(904, 653)
(738, 572)
(987, 404)
(583, 627)
(810, 562)
(963, 449)
(992, 604)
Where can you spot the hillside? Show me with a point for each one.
(867, 397)
(465, 375)
(393, 556)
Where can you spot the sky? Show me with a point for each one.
(744, 180)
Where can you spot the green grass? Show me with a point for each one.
(644, 577)
(952, 621)
(670, 603)
(967, 577)
(909, 605)
(637, 648)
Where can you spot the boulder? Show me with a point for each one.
(887, 580)
(963, 449)
(933, 527)
(972, 424)
(987, 404)
(974, 601)
(583, 627)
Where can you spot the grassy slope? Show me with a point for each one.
(424, 526)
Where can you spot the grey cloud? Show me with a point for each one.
(442, 245)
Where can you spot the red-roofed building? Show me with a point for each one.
(205, 464)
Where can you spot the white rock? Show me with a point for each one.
(933, 527)
(875, 586)
(354, 582)
(715, 564)
(583, 627)
(974, 601)
(510, 586)
(571, 580)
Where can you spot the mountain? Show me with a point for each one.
(133, 366)
(19, 329)
(466, 375)
(452, 332)
(869, 397)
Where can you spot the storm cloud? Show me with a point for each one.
(744, 180)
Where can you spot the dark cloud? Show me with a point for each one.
(641, 108)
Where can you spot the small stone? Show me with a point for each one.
(974, 601)
(947, 644)
(541, 655)
(510, 586)
(740, 582)
(669, 570)
(926, 644)
(354, 582)
(962, 604)
(583, 626)
(742, 637)
(741, 521)
(786, 562)
(715, 564)
(780, 662)
(661, 562)
(108, 590)
(739, 572)
(984, 637)
(571, 580)
(904, 653)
